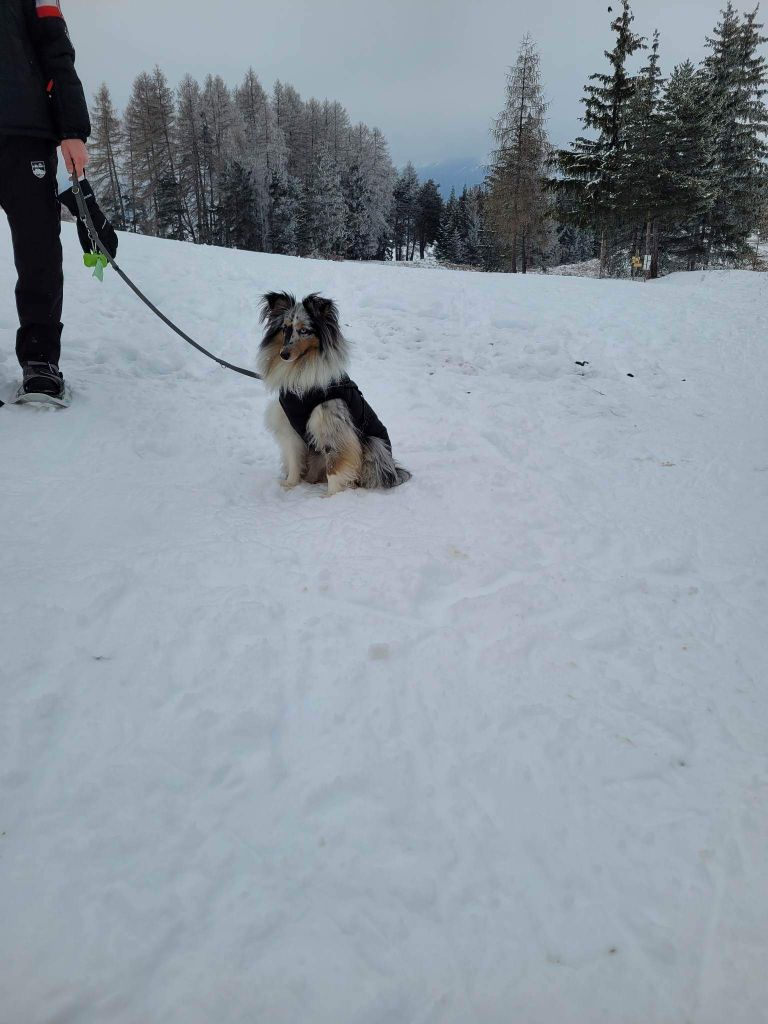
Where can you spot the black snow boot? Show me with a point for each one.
(43, 379)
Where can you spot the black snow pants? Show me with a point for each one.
(28, 195)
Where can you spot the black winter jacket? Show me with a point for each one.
(299, 409)
(40, 93)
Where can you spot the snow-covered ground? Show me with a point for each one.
(487, 748)
(588, 268)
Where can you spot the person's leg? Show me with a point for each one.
(28, 195)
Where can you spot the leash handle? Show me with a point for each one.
(85, 216)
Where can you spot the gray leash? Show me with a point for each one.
(85, 216)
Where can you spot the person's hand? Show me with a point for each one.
(75, 156)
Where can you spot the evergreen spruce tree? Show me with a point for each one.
(238, 207)
(574, 244)
(641, 175)
(429, 212)
(590, 169)
(491, 253)
(361, 234)
(382, 176)
(323, 228)
(448, 223)
(168, 208)
(406, 209)
(470, 226)
(687, 149)
(285, 203)
(735, 73)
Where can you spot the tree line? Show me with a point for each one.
(671, 175)
(241, 168)
(268, 172)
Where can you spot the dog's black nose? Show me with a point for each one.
(285, 354)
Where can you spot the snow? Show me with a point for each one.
(489, 747)
(586, 268)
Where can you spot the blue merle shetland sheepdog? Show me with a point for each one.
(325, 428)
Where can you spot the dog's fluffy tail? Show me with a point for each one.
(379, 468)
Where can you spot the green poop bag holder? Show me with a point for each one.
(98, 261)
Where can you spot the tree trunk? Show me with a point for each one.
(514, 253)
(647, 251)
(706, 240)
(654, 271)
(603, 252)
(691, 261)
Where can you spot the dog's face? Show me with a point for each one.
(303, 345)
(299, 334)
(299, 328)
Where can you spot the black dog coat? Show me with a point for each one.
(298, 409)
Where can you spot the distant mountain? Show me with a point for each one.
(454, 173)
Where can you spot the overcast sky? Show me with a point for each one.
(430, 74)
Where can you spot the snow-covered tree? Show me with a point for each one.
(361, 235)
(406, 205)
(238, 207)
(180, 161)
(323, 227)
(285, 204)
(470, 224)
(381, 176)
(220, 145)
(263, 147)
(288, 109)
(336, 131)
(192, 168)
(150, 153)
(105, 147)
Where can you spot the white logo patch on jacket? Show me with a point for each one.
(38, 168)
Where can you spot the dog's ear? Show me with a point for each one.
(325, 318)
(321, 307)
(274, 303)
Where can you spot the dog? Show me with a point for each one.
(326, 430)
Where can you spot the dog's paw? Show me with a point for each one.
(289, 484)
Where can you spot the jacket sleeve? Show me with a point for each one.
(57, 59)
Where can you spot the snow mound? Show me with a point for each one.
(489, 747)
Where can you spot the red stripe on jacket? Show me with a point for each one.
(48, 11)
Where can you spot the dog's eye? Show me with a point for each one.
(303, 330)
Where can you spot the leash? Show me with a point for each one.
(85, 216)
